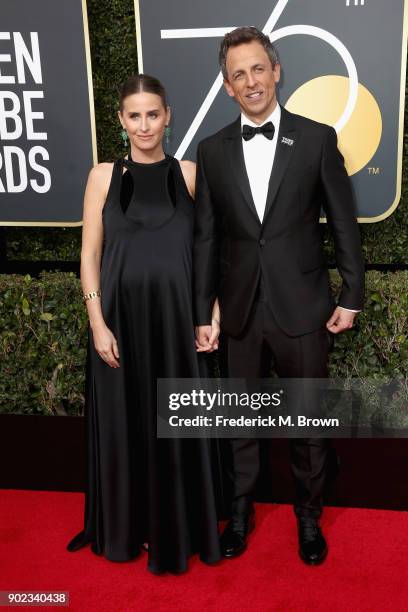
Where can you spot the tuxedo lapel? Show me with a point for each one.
(285, 146)
(235, 155)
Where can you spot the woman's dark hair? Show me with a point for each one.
(239, 36)
(138, 83)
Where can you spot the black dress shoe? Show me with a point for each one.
(312, 545)
(234, 538)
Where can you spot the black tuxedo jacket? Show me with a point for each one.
(232, 248)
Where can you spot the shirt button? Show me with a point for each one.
(262, 242)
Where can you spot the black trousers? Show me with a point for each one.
(263, 345)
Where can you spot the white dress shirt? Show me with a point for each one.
(259, 155)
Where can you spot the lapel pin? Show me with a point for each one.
(287, 141)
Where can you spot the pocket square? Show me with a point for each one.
(287, 141)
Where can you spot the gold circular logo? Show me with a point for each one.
(324, 98)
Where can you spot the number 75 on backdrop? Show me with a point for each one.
(343, 63)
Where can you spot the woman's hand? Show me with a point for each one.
(207, 338)
(106, 345)
(207, 335)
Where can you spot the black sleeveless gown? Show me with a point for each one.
(140, 488)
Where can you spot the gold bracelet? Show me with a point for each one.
(91, 295)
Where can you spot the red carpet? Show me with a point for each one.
(366, 570)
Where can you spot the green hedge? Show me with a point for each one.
(113, 48)
(43, 332)
(377, 346)
(43, 336)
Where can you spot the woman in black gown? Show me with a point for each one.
(136, 274)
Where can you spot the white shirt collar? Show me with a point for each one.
(274, 117)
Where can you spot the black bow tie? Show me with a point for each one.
(268, 130)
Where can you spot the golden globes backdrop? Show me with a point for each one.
(343, 63)
(47, 135)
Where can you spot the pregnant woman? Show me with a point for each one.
(136, 275)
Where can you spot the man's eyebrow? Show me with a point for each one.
(257, 65)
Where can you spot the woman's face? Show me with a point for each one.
(144, 118)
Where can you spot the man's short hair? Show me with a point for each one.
(239, 36)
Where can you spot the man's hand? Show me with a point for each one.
(340, 320)
(207, 338)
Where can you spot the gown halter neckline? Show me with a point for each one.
(129, 159)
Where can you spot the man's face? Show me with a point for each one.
(251, 80)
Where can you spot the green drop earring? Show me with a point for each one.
(167, 134)
(124, 137)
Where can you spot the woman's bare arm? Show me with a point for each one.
(91, 254)
(92, 238)
(188, 169)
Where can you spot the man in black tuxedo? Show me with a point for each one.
(261, 182)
